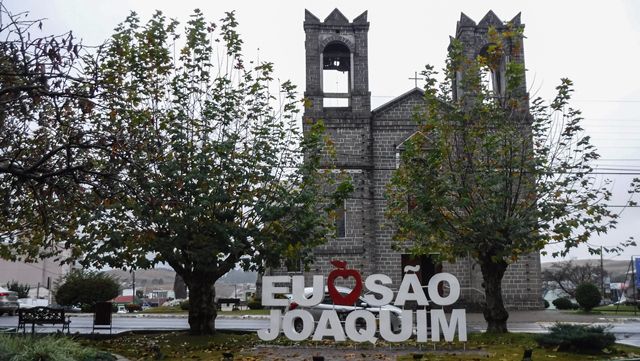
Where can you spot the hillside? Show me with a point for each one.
(615, 268)
(162, 278)
(155, 278)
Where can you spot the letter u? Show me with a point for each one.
(297, 288)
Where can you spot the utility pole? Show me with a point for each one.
(601, 272)
(133, 285)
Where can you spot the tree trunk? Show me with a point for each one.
(179, 287)
(494, 312)
(202, 308)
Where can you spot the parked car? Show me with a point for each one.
(8, 302)
(343, 311)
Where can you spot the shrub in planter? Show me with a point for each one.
(255, 304)
(546, 304)
(588, 296)
(563, 303)
(131, 307)
(184, 305)
(576, 338)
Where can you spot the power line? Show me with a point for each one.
(393, 169)
(575, 100)
(610, 167)
(606, 100)
(384, 199)
(591, 173)
(586, 119)
(619, 159)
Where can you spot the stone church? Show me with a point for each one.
(368, 142)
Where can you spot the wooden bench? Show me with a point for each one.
(228, 301)
(41, 316)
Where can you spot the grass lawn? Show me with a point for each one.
(180, 346)
(609, 310)
(164, 309)
(619, 309)
(174, 345)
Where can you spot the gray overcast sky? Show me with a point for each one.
(594, 43)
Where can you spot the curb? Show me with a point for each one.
(172, 315)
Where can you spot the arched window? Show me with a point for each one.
(493, 75)
(337, 62)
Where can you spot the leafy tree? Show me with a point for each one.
(86, 288)
(214, 169)
(49, 145)
(492, 178)
(588, 296)
(566, 276)
(21, 289)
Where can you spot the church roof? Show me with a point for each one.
(397, 100)
(401, 146)
(490, 19)
(336, 18)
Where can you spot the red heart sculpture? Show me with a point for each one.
(342, 271)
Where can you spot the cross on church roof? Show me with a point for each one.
(416, 78)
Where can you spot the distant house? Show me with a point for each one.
(164, 294)
(122, 300)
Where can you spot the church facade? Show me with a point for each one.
(367, 144)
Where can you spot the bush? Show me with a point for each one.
(21, 289)
(255, 304)
(588, 296)
(546, 304)
(131, 307)
(632, 303)
(82, 287)
(184, 305)
(48, 348)
(563, 303)
(576, 338)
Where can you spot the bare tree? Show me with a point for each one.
(48, 143)
(566, 276)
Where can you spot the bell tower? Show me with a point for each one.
(476, 40)
(337, 64)
(337, 88)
